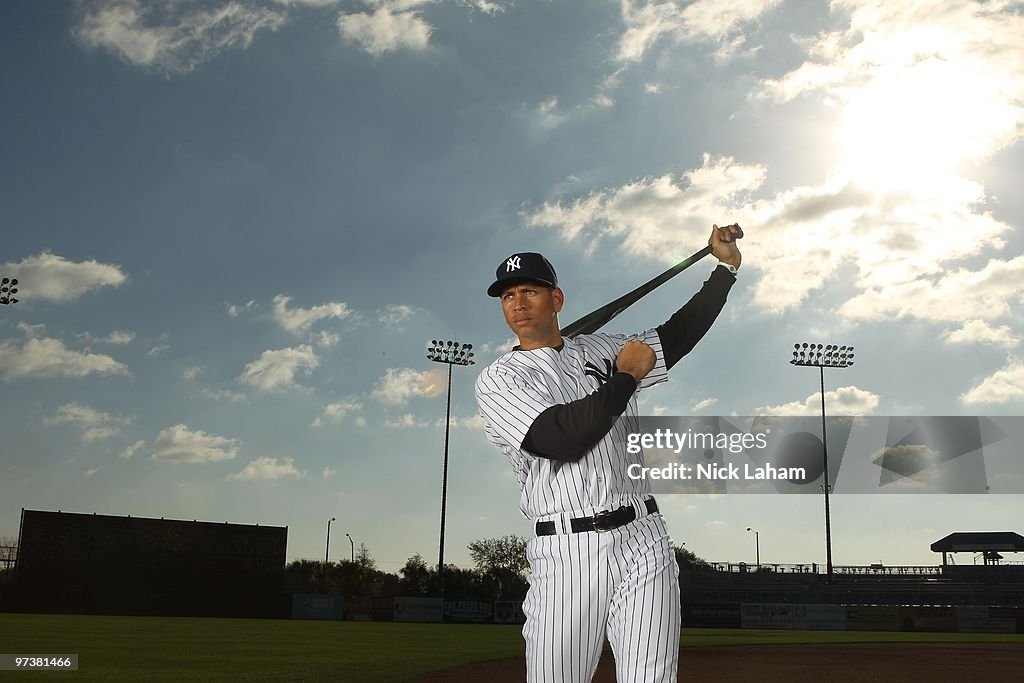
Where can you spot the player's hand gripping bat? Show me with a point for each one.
(597, 319)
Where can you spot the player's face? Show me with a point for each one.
(531, 311)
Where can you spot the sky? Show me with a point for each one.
(238, 226)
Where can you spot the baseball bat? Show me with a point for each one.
(598, 318)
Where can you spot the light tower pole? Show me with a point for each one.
(821, 357)
(327, 551)
(757, 546)
(449, 353)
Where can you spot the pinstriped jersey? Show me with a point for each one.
(513, 390)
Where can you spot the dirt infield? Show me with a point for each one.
(771, 663)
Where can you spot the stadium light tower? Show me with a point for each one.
(757, 546)
(450, 353)
(328, 550)
(821, 357)
(8, 288)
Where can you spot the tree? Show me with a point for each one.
(502, 565)
(416, 577)
(687, 559)
(364, 559)
(500, 554)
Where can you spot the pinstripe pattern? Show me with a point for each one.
(622, 584)
(519, 386)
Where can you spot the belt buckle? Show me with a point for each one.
(599, 521)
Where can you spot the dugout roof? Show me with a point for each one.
(979, 541)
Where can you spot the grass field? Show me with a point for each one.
(180, 649)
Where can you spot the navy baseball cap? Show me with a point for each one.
(526, 266)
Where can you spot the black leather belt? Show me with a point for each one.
(602, 521)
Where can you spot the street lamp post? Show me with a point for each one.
(821, 357)
(450, 353)
(757, 546)
(328, 550)
(8, 288)
(352, 548)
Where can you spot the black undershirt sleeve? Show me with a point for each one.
(680, 333)
(566, 431)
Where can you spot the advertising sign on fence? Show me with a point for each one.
(935, 619)
(986, 620)
(712, 616)
(377, 608)
(469, 612)
(314, 606)
(424, 610)
(509, 612)
(766, 615)
(872, 618)
(819, 617)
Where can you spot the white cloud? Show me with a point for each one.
(398, 385)
(900, 241)
(32, 331)
(158, 351)
(192, 373)
(387, 29)
(222, 394)
(704, 405)
(701, 21)
(548, 113)
(172, 37)
(119, 337)
(49, 358)
(329, 473)
(95, 425)
(471, 423)
(842, 401)
(656, 217)
(980, 332)
(956, 295)
(485, 6)
(310, 3)
(958, 61)
(409, 421)
(1002, 386)
(325, 339)
(91, 472)
(406, 421)
(235, 310)
(499, 348)
(920, 88)
(275, 369)
(267, 468)
(131, 450)
(300, 320)
(334, 412)
(396, 313)
(47, 277)
(180, 444)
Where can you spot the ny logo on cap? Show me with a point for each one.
(512, 264)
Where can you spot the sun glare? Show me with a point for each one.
(913, 123)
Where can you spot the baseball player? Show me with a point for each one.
(559, 409)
